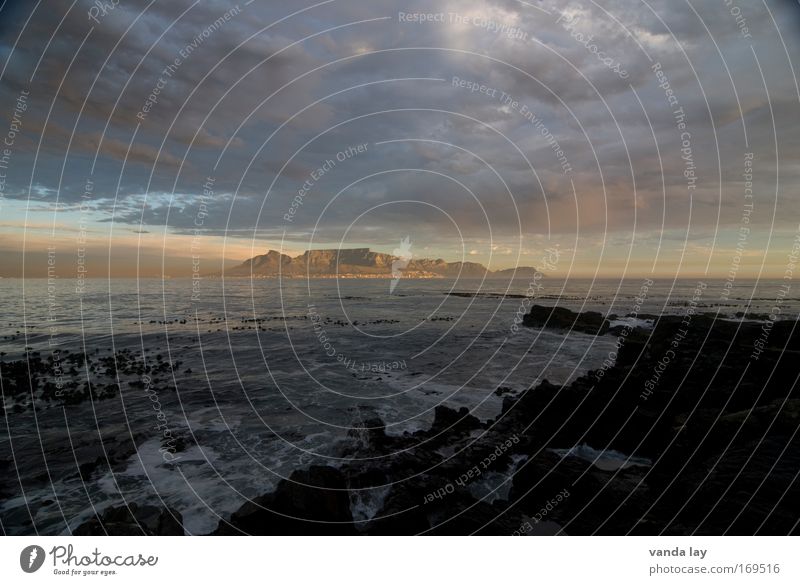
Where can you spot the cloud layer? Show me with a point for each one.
(488, 128)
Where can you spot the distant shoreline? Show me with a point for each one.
(554, 278)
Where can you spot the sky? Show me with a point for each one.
(635, 137)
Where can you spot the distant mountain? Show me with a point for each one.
(362, 263)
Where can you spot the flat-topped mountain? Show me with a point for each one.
(362, 263)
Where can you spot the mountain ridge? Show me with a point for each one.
(362, 263)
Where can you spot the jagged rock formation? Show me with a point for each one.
(720, 449)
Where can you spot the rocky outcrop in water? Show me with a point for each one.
(561, 318)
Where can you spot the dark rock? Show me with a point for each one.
(133, 520)
(403, 512)
(368, 432)
(477, 517)
(314, 501)
(447, 420)
(589, 322)
(718, 423)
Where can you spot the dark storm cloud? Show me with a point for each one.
(97, 76)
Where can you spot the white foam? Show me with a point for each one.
(632, 322)
(607, 460)
(364, 504)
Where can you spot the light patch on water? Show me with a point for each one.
(607, 460)
(632, 322)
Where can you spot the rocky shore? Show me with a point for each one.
(687, 433)
(690, 428)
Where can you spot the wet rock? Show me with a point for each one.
(133, 520)
(403, 512)
(448, 420)
(368, 432)
(314, 501)
(589, 322)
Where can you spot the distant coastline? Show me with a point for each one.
(357, 263)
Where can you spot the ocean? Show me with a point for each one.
(227, 386)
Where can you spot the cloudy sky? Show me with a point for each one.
(640, 137)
